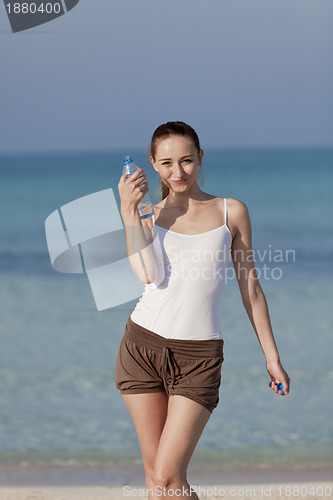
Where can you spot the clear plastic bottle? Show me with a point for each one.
(145, 207)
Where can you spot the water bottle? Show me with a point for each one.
(145, 207)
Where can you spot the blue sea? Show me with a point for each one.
(58, 400)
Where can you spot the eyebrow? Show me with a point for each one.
(164, 159)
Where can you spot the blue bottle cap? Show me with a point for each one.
(127, 159)
(280, 387)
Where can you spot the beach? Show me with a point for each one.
(239, 481)
(85, 84)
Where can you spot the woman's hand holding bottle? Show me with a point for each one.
(131, 190)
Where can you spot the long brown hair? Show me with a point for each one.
(166, 130)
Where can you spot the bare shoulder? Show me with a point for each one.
(236, 208)
(238, 216)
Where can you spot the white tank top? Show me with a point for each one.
(185, 304)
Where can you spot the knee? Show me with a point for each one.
(168, 479)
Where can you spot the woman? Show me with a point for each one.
(170, 358)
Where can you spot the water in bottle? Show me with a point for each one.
(145, 207)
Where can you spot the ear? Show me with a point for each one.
(153, 163)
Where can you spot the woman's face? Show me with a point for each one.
(177, 161)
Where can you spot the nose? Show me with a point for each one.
(178, 170)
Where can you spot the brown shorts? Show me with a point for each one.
(148, 362)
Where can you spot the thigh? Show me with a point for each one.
(137, 369)
(186, 420)
(149, 412)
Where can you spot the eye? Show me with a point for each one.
(166, 163)
(187, 160)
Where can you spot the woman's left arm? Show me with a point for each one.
(253, 297)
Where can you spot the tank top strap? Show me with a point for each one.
(225, 211)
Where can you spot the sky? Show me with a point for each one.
(244, 74)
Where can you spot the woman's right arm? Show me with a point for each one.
(139, 237)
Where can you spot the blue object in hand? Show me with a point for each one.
(280, 387)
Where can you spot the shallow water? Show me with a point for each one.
(57, 357)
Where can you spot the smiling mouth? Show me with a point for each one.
(179, 182)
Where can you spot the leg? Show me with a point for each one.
(184, 425)
(148, 412)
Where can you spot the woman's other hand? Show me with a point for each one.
(278, 375)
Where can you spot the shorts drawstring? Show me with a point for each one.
(166, 362)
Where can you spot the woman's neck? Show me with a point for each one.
(186, 199)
